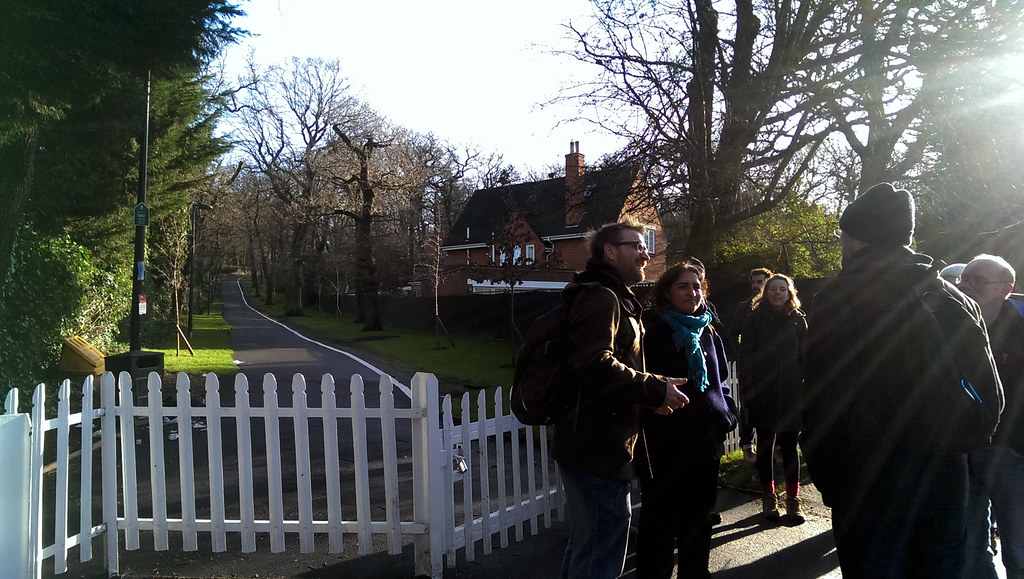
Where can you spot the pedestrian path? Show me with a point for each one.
(746, 545)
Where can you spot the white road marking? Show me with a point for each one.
(371, 367)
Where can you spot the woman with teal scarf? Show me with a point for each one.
(680, 478)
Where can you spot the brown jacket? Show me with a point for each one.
(605, 333)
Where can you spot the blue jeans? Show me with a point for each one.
(997, 475)
(599, 510)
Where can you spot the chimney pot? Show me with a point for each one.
(573, 184)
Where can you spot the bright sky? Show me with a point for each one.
(471, 72)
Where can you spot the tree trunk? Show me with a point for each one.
(373, 321)
(268, 279)
(877, 153)
(367, 274)
(18, 161)
(293, 289)
(253, 266)
(701, 242)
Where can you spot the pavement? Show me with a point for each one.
(745, 545)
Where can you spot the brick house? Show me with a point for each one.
(533, 234)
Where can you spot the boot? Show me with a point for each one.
(794, 513)
(769, 506)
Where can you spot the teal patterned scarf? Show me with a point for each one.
(686, 331)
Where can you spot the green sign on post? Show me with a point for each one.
(141, 213)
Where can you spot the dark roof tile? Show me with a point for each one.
(542, 205)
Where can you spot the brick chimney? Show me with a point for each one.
(574, 185)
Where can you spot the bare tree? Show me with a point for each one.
(361, 184)
(286, 116)
(728, 103)
(900, 66)
(718, 99)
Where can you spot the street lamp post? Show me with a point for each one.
(141, 218)
(135, 361)
(192, 223)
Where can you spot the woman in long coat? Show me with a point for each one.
(770, 376)
(679, 484)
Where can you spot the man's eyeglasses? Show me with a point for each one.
(639, 246)
(976, 280)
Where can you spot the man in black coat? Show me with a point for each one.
(757, 277)
(898, 501)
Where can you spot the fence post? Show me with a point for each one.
(108, 456)
(36, 475)
(15, 550)
(428, 494)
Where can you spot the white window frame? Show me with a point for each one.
(649, 238)
(531, 253)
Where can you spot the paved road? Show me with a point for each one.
(263, 345)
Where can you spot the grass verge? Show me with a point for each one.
(736, 473)
(210, 342)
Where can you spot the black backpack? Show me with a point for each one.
(542, 390)
(969, 399)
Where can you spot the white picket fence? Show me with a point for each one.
(457, 501)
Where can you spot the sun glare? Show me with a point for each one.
(1011, 65)
(1008, 70)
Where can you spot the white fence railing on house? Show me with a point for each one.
(456, 503)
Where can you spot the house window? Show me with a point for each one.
(649, 240)
(516, 259)
(530, 253)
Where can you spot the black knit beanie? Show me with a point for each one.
(882, 215)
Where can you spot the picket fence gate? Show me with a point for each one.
(451, 467)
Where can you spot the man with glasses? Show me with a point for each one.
(594, 445)
(997, 472)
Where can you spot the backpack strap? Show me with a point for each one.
(1017, 301)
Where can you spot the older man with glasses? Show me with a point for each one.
(997, 472)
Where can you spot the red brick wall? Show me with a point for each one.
(570, 256)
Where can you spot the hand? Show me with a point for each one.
(674, 398)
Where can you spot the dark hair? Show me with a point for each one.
(610, 233)
(672, 275)
(767, 273)
(793, 303)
